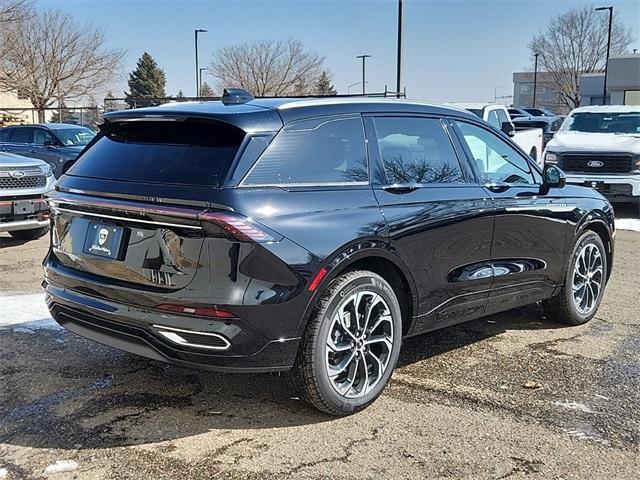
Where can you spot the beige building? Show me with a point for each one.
(15, 110)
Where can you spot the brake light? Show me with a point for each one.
(242, 228)
(196, 311)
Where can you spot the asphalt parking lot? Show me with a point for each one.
(458, 405)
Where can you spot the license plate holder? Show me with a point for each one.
(104, 240)
(23, 207)
(595, 184)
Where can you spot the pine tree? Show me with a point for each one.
(180, 95)
(62, 115)
(147, 81)
(323, 85)
(206, 90)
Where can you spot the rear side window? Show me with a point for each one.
(416, 150)
(22, 135)
(317, 151)
(188, 152)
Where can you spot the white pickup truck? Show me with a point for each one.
(599, 146)
(530, 140)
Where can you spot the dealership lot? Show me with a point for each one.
(502, 397)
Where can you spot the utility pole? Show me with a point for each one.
(606, 65)
(364, 82)
(535, 79)
(399, 62)
(196, 32)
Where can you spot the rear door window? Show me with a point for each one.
(185, 151)
(321, 151)
(22, 135)
(416, 151)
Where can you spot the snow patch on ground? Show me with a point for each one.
(61, 466)
(628, 224)
(25, 313)
(574, 406)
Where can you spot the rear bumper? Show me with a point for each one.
(140, 332)
(614, 187)
(23, 225)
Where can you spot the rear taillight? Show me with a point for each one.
(240, 227)
(196, 311)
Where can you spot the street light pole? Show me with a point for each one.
(196, 32)
(364, 82)
(399, 57)
(606, 65)
(535, 79)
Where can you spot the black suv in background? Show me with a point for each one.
(312, 236)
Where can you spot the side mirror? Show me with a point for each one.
(50, 143)
(553, 177)
(508, 128)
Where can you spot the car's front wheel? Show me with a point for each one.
(351, 344)
(585, 279)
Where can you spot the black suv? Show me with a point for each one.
(312, 236)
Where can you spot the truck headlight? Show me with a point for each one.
(46, 169)
(551, 158)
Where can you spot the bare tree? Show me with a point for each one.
(49, 58)
(14, 10)
(576, 43)
(267, 67)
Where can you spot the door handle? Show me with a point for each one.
(400, 188)
(498, 187)
(33, 150)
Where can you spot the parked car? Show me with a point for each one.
(529, 140)
(312, 236)
(599, 146)
(23, 183)
(58, 144)
(549, 126)
(517, 113)
(539, 112)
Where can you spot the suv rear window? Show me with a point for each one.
(185, 151)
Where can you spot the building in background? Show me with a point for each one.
(15, 110)
(623, 83)
(546, 96)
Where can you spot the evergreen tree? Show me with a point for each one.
(206, 90)
(147, 81)
(180, 96)
(324, 86)
(62, 115)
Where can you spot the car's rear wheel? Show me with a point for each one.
(31, 234)
(585, 279)
(351, 344)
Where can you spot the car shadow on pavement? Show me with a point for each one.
(7, 241)
(64, 392)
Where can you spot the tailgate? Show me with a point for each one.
(127, 241)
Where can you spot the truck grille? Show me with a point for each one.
(595, 164)
(9, 183)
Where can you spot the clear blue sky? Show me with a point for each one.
(453, 50)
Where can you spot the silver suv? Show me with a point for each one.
(24, 213)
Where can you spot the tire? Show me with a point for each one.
(351, 390)
(31, 234)
(565, 307)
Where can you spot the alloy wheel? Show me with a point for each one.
(359, 344)
(588, 276)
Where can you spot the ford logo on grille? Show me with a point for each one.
(16, 174)
(595, 163)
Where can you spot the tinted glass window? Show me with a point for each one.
(492, 118)
(314, 151)
(74, 137)
(191, 152)
(495, 159)
(416, 150)
(5, 134)
(22, 135)
(41, 136)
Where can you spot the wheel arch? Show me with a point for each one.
(377, 259)
(600, 227)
